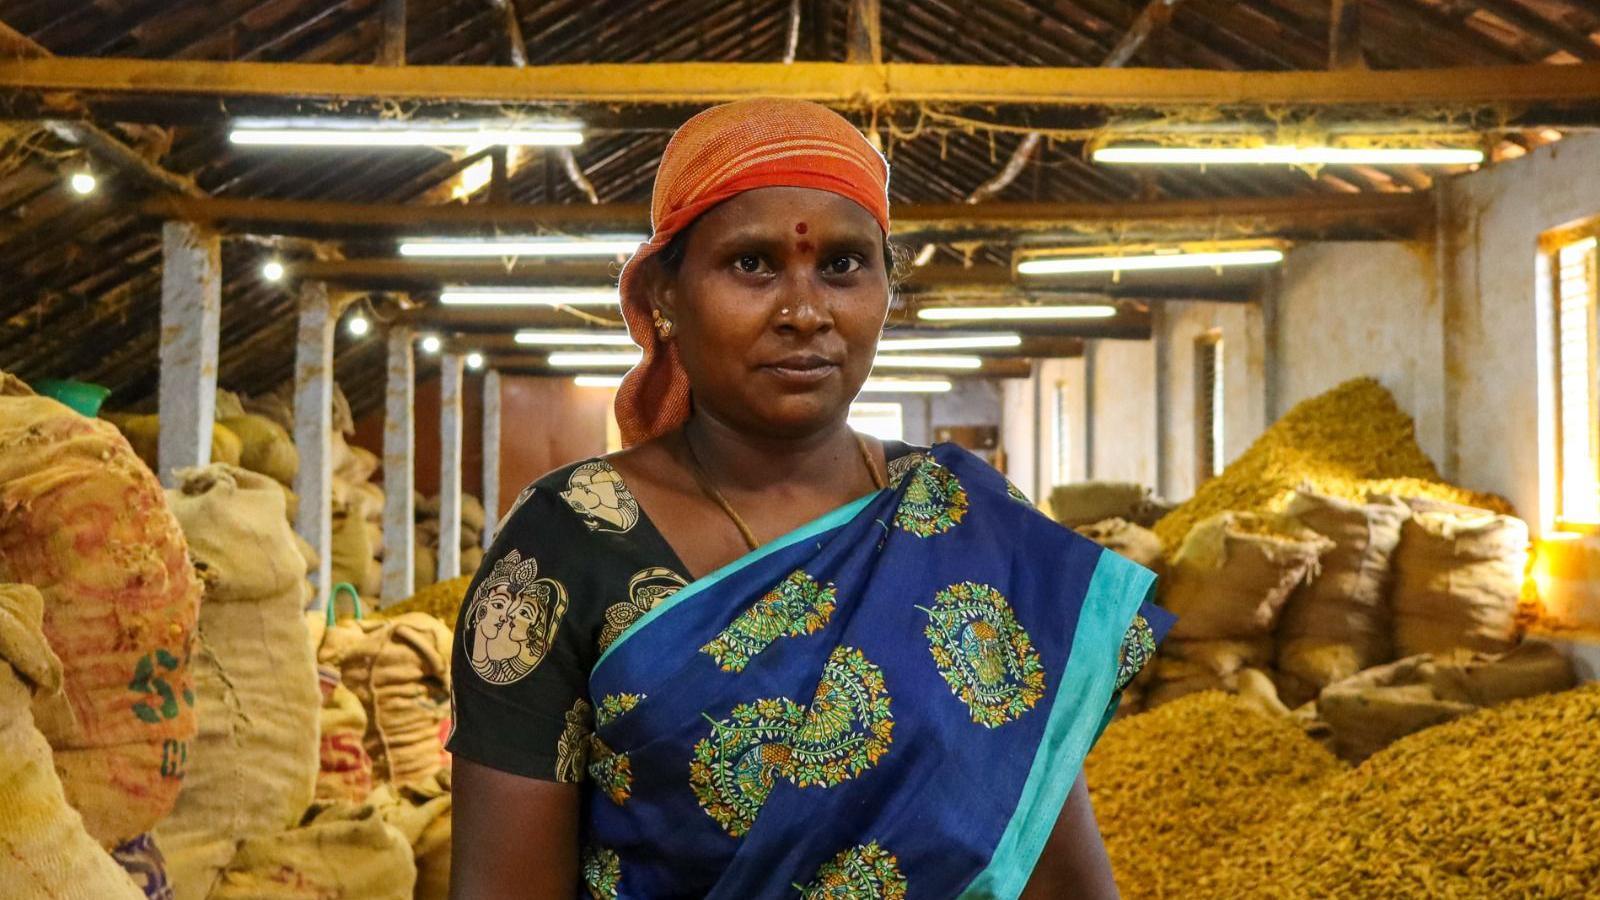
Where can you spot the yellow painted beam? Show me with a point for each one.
(844, 84)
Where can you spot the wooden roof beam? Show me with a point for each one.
(1357, 216)
(843, 84)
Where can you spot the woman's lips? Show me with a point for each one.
(801, 370)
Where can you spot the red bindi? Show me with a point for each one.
(805, 246)
(800, 228)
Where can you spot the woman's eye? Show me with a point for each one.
(749, 263)
(843, 265)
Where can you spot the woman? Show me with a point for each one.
(785, 660)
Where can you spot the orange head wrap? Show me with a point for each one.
(722, 152)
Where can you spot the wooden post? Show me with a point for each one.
(392, 49)
(313, 431)
(399, 468)
(450, 414)
(1090, 351)
(191, 310)
(1160, 334)
(491, 455)
(864, 36)
(1344, 36)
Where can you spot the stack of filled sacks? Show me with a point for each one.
(1087, 502)
(44, 849)
(357, 519)
(399, 668)
(143, 431)
(473, 521)
(1228, 585)
(245, 824)
(85, 522)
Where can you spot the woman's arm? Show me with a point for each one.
(1074, 862)
(512, 837)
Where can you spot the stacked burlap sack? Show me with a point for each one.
(357, 519)
(84, 522)
(1087, 502)
(473, 521)
(44, 849)
(399, 668)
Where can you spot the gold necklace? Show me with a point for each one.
(710, 490)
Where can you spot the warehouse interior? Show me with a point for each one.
(341, 277)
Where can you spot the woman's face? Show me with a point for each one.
(777, 308)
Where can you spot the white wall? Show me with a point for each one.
(1243, 390)
(1122, 399)
(1364, 309)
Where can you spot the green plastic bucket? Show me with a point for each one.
(82, 396)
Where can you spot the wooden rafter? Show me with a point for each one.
(838, 83)
(1357, 216)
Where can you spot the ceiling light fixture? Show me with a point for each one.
(574, 338)
(911, 361)
(431, 343)
(410, 133)
(1277, 154)
(1014, 313)
(1078, 265)
(954, 342)
(474, 360)
(358, 325)
(83, 183)
(599, 245)
(272, 270)
(906, 386)
(598, 381)
(596, 359)
(459, 296)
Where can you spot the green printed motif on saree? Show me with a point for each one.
(613, 705)
(934, 501)
(845, 731)
(602, 873)
(866, 872)
(1138, 648)
(611, 772)
(984, 655)
(798, 606)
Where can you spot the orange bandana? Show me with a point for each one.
(722, 152)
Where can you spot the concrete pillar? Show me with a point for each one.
(191, 312)
(313, 431)
(1161, 335)
(399, 468)
(491, 455)
(450, 415)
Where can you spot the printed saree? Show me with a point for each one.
(890, 701)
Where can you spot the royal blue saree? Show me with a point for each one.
(892, 701)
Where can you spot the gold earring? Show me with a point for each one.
(663, 325)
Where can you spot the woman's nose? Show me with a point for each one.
(803, 307)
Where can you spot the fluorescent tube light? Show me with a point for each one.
(574, 338)
(955, 342)
(598, 381)
(1075, 265)
(1014, 313)
(597, 359)
(910, 361)
(609, 245)
(530, 297)
(1291, 156)
(906, 386)
(413, 133)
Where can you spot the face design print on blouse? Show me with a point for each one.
(513, 619)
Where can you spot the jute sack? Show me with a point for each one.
(254, 766)
(344, 853)
(352, 551)
(346, 769)
(84, 521)
(273, 407)
(44, 849)
(421, 812)
(267, 448)
(1095, 501)
(400, 669)
(1458, 577)
(1230, 580)
(143, 431)
(1188, 667)
(1127, 539)
(1381, 705)
(1338, 624)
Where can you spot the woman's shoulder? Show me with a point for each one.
(591, 490)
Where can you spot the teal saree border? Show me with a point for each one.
(1116, 591)
(704, 583)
